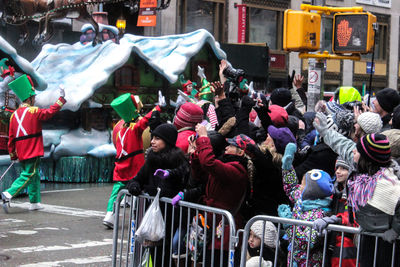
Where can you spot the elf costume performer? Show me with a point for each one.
(187, 94)
(26, 141)
(127, 138)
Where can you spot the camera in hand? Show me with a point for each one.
(235, 75)
(351, 105)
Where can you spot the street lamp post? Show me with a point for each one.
(121, 25)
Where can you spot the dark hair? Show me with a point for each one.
(365, 166)
(396, 118)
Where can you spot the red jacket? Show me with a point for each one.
(226, 183)
(129, 144)
(25, 132)
(182, 140)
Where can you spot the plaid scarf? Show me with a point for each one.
(362, 188)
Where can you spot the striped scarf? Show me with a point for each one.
(362, 188)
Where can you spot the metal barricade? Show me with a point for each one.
(371, 254)
(179, 223)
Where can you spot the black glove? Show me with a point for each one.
(133, 188)
(154, 120)
(290, 79)
(248, 101)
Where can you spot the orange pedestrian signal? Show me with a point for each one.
(353, 33)
(301, 31)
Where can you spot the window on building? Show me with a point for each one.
(381, 44)
(203, 14)
(127, 78)
(263, 27)
(327, 34)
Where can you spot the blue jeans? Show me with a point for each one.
(175, 241)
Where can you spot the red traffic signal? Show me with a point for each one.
(353, 33)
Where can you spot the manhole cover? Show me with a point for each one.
(4, 257)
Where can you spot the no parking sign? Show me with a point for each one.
(314, 81)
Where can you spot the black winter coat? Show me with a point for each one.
(267, 188)
(224, 111)
(320, 156)
(172, 160)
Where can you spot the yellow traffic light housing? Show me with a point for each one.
(301, 31)
(353, 33)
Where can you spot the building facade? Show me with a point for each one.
(264, 24)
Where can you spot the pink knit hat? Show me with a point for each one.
(188, 115)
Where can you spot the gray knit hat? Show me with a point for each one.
(341, 162)
(394, 139)
(269, 234)
(370, 122)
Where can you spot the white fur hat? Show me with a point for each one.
(270, 233)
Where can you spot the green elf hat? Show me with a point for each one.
(126, 107)
(23, 87)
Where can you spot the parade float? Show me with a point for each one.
(78, 145)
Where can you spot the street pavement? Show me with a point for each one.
(67, 232)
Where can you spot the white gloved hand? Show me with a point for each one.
(161, 99)
(320, 123)
(62, 90)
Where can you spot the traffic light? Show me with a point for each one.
(301, 31)
(353, 33)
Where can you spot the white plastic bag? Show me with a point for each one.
(152, 226)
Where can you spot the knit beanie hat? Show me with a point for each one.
(255, 262)
(166, 132)
(393, 136)
(188, 115)
(370, 122)
(388, 99)
(333, 107)
(342, 122)
(341, 162)
(281, 97)
(282, 137)
(269, 233)
(319, 185)
(396, 118)
(278, 115)
(375, 148)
